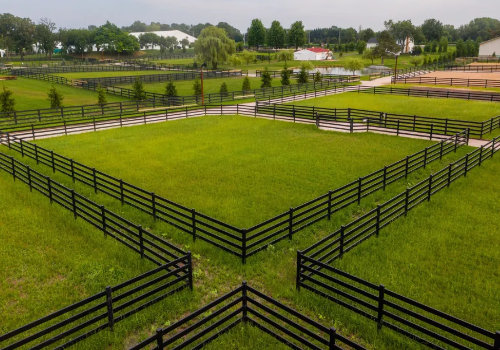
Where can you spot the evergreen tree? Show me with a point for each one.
(197, 87)
(303, 76)
(7, 102)
(266, 79)
(139, 93)
(318, 77)
(101, 95)
(55, 98)
(171, 90)
(223, 89)
(246, 84)
(285, 76)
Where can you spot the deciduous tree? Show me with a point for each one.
(213, 46)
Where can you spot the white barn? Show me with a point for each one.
(370, 44)
(164, 33)
(312, 54)
(490, 47)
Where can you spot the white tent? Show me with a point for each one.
(164, 33)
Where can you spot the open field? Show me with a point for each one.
(443, 254)
(441, 86)
(32, 94)
(427, 107)
(275, 164)
(185, 87)
(49, 260)
(78, 75)
(253, 176)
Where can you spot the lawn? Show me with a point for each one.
(445, 253)
(454, 87)
(241, 170)
(78, 75)
(50, 260)
(427, 107)
(198, 162)
(185, 87)
(32, 94)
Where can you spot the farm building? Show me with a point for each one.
(312, 54)
(371, 43)
(175, 33)
(490, 47)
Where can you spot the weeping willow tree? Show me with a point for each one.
(213, 46)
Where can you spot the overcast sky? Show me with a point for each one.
(239, 13)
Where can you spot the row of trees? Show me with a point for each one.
(276, 36)
(22, 35)
(165, 43)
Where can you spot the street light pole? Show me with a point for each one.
(396, 69)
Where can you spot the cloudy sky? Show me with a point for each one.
(314, 13)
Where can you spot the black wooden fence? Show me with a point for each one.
(420, 322)
(484, 83)
(246, 305)
(237, 241)
(359, 120)
(102, 310)
(158, 78)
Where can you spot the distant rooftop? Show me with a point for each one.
(164, 33)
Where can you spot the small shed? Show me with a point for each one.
(312, 54)
(490, 47)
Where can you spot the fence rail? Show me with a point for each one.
(485, 83)
(104, 309)
(249, 306)
(237, 241)
(420, 322)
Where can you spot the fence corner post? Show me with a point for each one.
(109, 304)
(159, 339)
(333, 335)
(299, 265)
(380, 309)
(496, 345)
(244, 300)
(190, 270)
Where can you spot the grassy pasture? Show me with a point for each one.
(421, 106)
(78, 75)
(204, 160)
(185, 87)
(439, 86)
(32, 94)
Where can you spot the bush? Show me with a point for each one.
(55, 98)
(101, 95)
(266, 79)
(285, 76)
(417, 50)
(7, 102)
(318, 77)
(303, 76)
(246, 85)
(171, 90)
(197, 87)
(139, 93)
(223, 89)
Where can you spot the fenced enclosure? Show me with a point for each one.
(484, 83)
(420, 322)
(246, 305)
(432, 93)
(100, 311)
(158, 78)
(241, 242)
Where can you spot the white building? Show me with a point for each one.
(490, 47)
(312, 54)
(371, 43)
(407, 45)
(175, 33)
(2, 53)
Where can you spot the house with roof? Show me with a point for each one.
(490, 47)
(312, 54)
(370, 44)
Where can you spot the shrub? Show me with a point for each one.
(197, 87)
(318, 77)
(246, 85)
(7, 102)
(139, 93)
(223, 89)
(171, 90)
(303, 76)
(101, 95)
(55, 98)
(285, 76)
(266, 79)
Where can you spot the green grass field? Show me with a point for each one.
(183, 165)
(427, 107)
(454, 87)
(238, 169)
(78, 75)
(185, 87)
(32, 94)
